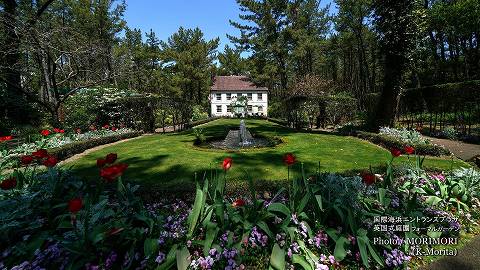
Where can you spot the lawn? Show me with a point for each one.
(171, 160)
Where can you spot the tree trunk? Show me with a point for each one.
(387, 105)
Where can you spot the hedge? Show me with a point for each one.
(389, 143)
(278, 121)
(74, 148)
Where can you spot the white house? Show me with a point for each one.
(226, 90)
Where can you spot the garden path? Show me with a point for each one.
(465, 151)
(468, 258)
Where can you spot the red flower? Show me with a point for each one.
(368, 178)
(6, 138)
(396, 152)
(78, 131)
(74, 205)
(113, 172)
(101, 162)
(40, 153)
(227, 163)
(57, 130)
(114, 129)
(9, 183)
(289, 159)
(106, 126)
(238, 203)
(51, 161)
(110, 158)
(26, 160)
(45, 132)
(409, 150)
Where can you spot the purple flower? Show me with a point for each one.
(331, 259)
(160, 258)
(110, 259)
(395, 258)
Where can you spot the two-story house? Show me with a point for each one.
(226, 90)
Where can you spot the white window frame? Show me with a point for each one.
(219, 107)
(218, 97)
(250, 96)
(260, 96)
(229, 96)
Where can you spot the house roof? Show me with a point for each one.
(234, 83)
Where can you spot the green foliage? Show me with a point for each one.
(198, 113)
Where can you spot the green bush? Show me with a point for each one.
(199, 113)
(389, 143)
(72, 149)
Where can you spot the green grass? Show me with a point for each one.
(171, 160)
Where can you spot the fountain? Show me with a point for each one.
(240, 138)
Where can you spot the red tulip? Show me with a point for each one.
(26, 160)
(51, 161)
(110, 158)
(238, 203)
(106, 126)
(227, 163)
(101, 162)
(74, 205)
(57, 130)
(45, 132)
(113, 172)
(396, 152)
(78, 131)
(9, 183)
(6, 138)
(368, 178)
(114, 129)
(409, 150)
(41, 153)
(289, 159)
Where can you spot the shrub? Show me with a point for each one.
(389, 142)
(74, 148)
(404, 135)
(199, 136)
(198, 113)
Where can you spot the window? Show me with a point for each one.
(249, 96)
(229, 108)
(260, 108)
(250, 108)
(219, 97)
(219, 108)
(259, 96)
(229, 96)
(238, 95)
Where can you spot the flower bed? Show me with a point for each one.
(62, 145)
(397, 139)
(54, 220)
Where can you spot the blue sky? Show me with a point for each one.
(166, 16)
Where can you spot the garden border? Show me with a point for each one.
(389, 143)
(72, 149)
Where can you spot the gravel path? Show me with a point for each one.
(465, 151)
(468, 258)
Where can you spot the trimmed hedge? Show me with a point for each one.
(389, 143)
(74, 148)
(278, 121)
